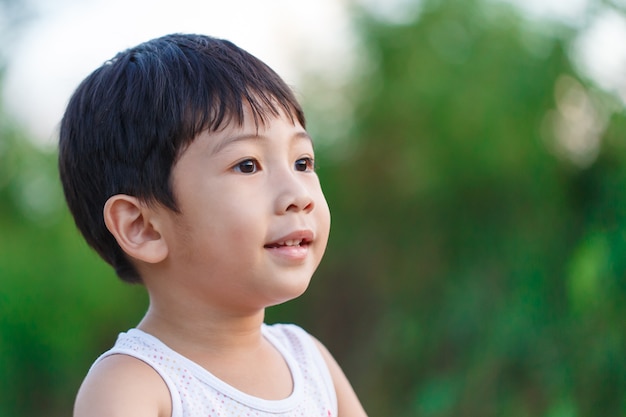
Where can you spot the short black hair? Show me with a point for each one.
(128, 122)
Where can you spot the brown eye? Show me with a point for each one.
(248, 166)
(304, 164)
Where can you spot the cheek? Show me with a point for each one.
(236, 219)
(323, 215)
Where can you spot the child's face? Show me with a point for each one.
(253, 222)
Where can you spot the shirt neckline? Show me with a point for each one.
(261, 404)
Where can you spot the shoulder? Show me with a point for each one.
(121, 385)
(347, 401)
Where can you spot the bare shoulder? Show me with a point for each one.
(347, 401)
(121, 385)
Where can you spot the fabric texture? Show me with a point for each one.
(197, 392)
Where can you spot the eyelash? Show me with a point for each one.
(250, 166)
(247, 163)
(308, 163)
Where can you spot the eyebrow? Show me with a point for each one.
(248, 136)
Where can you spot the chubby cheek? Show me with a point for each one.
(210, 225)
(323, 221)
(235, 222)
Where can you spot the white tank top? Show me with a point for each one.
(197, 392)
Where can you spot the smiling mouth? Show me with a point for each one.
(289, 243)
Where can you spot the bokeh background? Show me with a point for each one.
(473, 153)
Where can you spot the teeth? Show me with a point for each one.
(289, 243)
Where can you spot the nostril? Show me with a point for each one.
(293, 195)
(301, 205)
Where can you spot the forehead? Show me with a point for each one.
(281, 129)
(272, 129)
(252, 124)
(254, 110)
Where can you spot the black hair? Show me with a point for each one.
(128, 122)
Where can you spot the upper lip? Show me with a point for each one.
(299, 237)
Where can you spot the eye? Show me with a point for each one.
(305, 165)
(247, 166)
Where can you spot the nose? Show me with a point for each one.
(294, 194)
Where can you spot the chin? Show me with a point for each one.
(291, 293)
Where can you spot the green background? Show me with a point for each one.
(476, 265)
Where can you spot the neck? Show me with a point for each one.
(197, 331)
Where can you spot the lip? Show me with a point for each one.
(293, 252)
(304, 236)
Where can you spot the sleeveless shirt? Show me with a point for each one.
(196, 392)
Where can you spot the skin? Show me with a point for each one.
(212, 269)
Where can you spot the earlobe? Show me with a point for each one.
(132, 224)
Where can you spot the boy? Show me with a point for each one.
(186, 166)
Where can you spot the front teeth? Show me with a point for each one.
(291, 243)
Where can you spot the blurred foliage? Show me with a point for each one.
(475, 265)
(59, 304)
(49, 280)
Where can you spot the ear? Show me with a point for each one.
(133, 225)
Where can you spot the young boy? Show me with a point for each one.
(186, 165)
